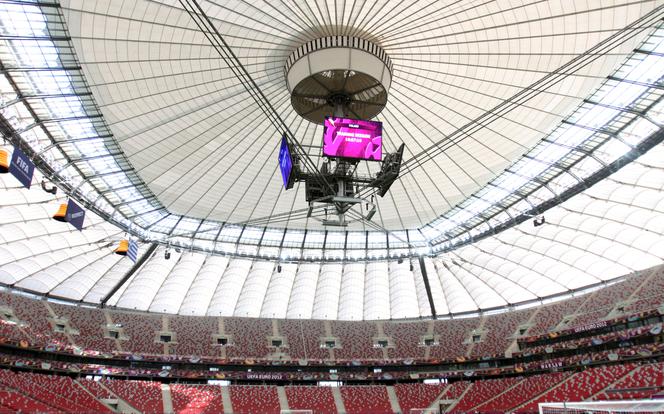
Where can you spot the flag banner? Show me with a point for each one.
(132, 252)
(75, 215)
(22, 168)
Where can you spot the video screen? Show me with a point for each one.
(352, 138)
(285, 163)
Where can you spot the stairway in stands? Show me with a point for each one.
(541, 394)
(499, 395)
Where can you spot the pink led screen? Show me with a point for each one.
(352, 138)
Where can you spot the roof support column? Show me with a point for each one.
(130, 273)
(423, 270)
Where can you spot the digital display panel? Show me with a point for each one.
(285, 163)
(352, 138)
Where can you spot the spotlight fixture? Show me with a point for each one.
(4, 161)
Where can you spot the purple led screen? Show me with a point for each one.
(285, 163)
(351, 138)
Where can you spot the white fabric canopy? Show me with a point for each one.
(206, 151)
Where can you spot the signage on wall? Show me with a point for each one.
(22, 167)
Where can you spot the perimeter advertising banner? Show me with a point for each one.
(22, 168)
(352, 138)
(75, 215)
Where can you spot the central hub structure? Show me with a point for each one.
(346, 79)
(338, 76)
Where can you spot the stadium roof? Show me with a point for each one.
(506, 110)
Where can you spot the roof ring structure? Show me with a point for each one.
(338, 71)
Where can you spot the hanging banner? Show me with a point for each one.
(132, 252)
(75, 215)
(22, 168)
